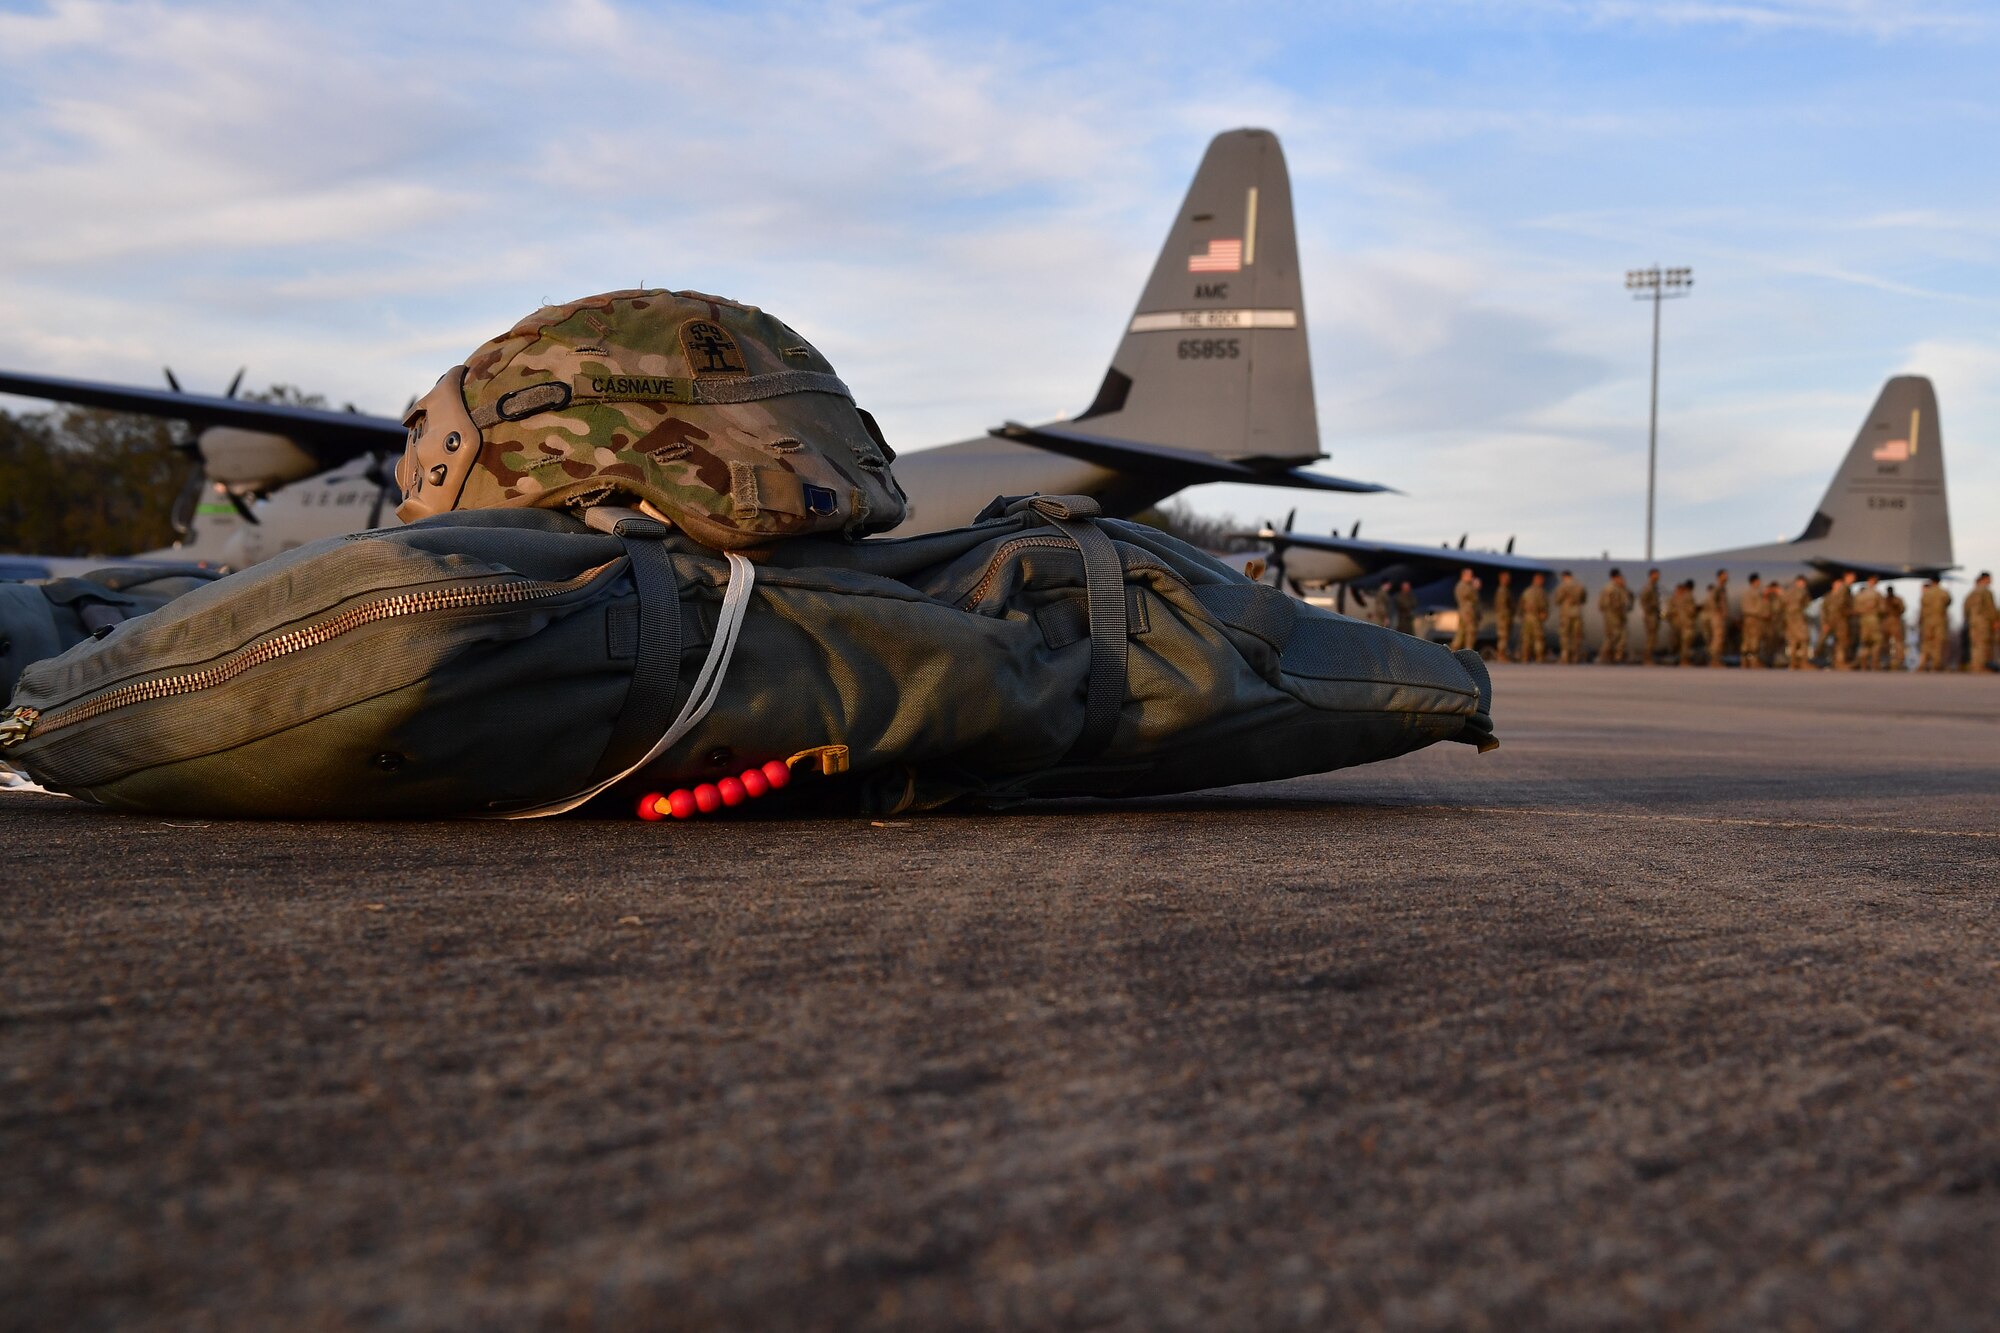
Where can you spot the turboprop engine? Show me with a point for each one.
(252, 462)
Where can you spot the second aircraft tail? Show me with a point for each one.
(1886, 507)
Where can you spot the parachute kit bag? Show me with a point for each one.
(516, 662)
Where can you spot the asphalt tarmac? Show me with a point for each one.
(1680, 1009)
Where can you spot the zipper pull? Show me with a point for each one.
(16, 725)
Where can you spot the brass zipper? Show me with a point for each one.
(985, 584)
(18, 724)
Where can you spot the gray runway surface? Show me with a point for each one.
(1682, 1008)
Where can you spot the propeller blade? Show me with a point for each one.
(1278, 548)
(172, 383)
(1510, 546)
(1290, 519)
(1461, 539)
(236, 383)
(1356, 531)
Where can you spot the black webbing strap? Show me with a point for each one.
(1104, 589)
(653, 698)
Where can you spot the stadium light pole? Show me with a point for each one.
(1655, 284)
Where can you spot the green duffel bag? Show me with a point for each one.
(39, 620)
(511, 663)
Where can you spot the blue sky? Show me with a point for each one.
(960, 205)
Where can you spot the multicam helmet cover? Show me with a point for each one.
(713, 413)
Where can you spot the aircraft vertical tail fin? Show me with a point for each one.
(1214, 360)
(1887, 506)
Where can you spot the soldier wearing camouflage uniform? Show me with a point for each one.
(1682, 614)
(1866, 609)
(1503, 616)
(702, 412)
(1980, 616)
(1718, 618)
(1836, 621)
(1535, 620)
(1571, 598)
(1467, 596)
(1933, 627)
(1895, 632)
(1649, 616)
(1798, 632)
(1614, 603)
(1756, 622)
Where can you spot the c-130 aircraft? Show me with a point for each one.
(1886, 513)
(1212, 381)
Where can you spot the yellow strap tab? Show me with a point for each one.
(829, 759)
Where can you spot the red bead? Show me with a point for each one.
(707, 799)
(652, 806)
(732, 791)
(681, 804)
(777, 774)
(754, 782)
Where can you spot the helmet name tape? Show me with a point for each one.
(551, 397)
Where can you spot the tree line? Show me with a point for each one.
(76, 481)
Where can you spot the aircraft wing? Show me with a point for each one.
(1185, 466)
(332, 437)
(1418, 564)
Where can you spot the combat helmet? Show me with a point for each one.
(712, 413)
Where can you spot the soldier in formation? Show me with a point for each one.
(1895, 633)
(1933, 626)
(1535, 619)
(1615, 605)
(1798, 634)
(1681, 614)
(1467, 593)
(1570, 599)
(1649, 616)
(1756, 621)
(1980, 620)
(1866, 609)
(1503, 616)
(1836, 620)
(1406, 609)
(1717, 611)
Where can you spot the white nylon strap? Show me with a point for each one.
(701, 698)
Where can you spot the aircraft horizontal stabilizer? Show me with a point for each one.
(1182, 466)
(1835, 568)
(332, 437)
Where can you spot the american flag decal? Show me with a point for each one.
(1895, 451)
(1220, 257)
